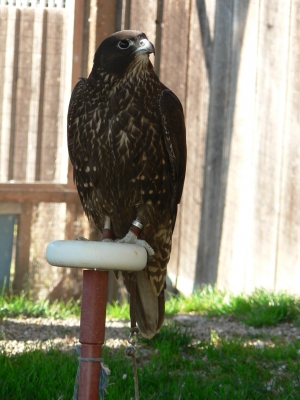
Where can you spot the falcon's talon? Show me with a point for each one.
(82, 238)
(147, 246)
(131, 238)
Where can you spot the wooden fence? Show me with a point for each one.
(36, 68)
(233, 64)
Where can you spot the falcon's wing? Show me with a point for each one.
(76, 110)
(175, 142)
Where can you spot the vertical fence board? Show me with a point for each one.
(8, 88)
(144, 21)
(236, 244)
(288, 258)
(65, 81)
(4, 139)
(52, 143)
(196, 121)
(173, 73)
(106, 19)
(35, 93)
(23, 248)
(217, 143)
(51, 106)
(174, 50)
(23, 95)
(268, 139)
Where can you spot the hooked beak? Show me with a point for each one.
(145, 47)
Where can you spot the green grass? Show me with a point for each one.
(258, 309)
(15, 306)
(175, 369)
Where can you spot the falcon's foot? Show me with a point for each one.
(132, 238)
(82, 238)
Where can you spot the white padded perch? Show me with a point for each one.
(96, 255)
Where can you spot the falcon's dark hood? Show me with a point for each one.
(116, 53)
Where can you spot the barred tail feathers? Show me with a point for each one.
(150, 307)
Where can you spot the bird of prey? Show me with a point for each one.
(127, 144)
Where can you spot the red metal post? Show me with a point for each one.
(92, 331)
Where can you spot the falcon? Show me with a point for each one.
(127, 144)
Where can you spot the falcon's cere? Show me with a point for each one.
(126, 139)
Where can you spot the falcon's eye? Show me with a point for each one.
(124, 44)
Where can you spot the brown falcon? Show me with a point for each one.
(126, 140)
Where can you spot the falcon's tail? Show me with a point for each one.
(150, 308)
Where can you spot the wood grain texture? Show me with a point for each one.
(23, 96)
(4, 139)
(36, 192)
(23, 248)
(174, 47)
(268, 135)
(196, 123)
(143, 18)
(36, 94)
(173, 73)
(287, 275)
(8, 89)
(237, 233)
(52, 100)
(217, 144)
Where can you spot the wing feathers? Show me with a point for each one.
(174, 137)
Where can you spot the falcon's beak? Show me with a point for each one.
(145, 47)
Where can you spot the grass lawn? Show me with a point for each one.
(178, 366)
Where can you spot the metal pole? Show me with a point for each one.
(92, 331)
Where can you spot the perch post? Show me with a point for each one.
(96, 258)
(92, 331)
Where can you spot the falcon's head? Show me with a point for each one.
(121, 51)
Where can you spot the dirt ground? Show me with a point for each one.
(17, 335)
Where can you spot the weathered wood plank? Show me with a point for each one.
(65, 87)
(4, 137)
(48, 223)
(35, 93)
(288, 255)
(77, 67)
(8, 90)
(144, 21)
(217, 145)
(174, 48)
(106, 19)
(196, 122)
(268, 140)
(36, 192)
(237, 234)
(51, 99)
(23, 95)
(23, 248)
(10, 208)
(173, 73)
